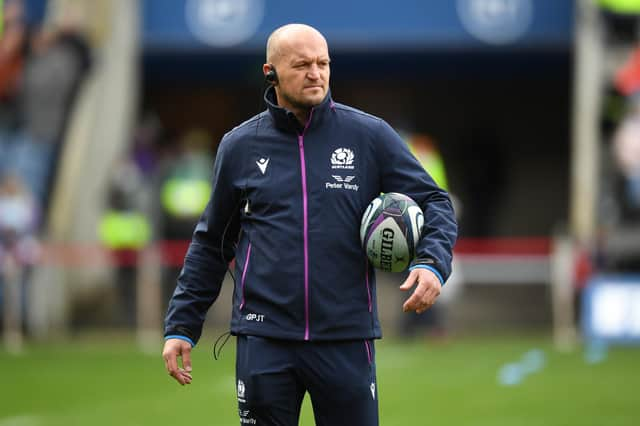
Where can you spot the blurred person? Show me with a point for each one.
(483, 156)
(627, 77)
(184, 191)
(13, 48)
(304, 305)
(53, 72)
(626, 147)
(125, 228)
(434, 322)
(426, 151)
(622, 7)
(50, 74)
(130, 220)
(18, 214)
(60, 57)
(626, 138)
(18, 223)
(145, 146)
(186, 184)
(621, 18)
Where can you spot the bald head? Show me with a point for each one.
(298, 68)
(283, 40)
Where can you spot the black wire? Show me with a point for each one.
(227, 335)
(224, 234)
(216, 353)
(222, 252)
(261, 104)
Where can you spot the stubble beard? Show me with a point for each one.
(298, 104)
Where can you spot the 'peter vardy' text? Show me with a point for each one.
(344, 185)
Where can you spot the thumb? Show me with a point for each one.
(410, 281)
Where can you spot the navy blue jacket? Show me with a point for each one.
(287, 202)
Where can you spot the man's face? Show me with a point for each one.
(303, 72)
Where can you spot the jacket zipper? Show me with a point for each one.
(305, 225)
(244, 275)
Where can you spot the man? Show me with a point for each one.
(304, 305)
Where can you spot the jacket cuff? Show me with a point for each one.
(429, 267)
(177, 332)
(177, 336)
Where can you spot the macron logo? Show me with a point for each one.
(262, 164)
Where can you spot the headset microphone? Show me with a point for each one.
(271, 76)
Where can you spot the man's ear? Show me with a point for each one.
(270, 74)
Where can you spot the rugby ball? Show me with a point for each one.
(390, 230)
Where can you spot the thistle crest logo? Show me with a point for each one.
(342, 158)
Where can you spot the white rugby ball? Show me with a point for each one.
(390, 231)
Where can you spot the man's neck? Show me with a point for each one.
(302, 114)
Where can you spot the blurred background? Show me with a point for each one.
(527, 111)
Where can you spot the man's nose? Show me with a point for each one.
(314, 72)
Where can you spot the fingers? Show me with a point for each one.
(416, 299)
(172, 350)
(425, 294)
(184, 378)
(186, 364)
(425, 304)
(186, 359)
(410, 281)
(170, 362)
(419, 301)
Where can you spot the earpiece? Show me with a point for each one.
(271, 77)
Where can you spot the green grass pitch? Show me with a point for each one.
(419, 383)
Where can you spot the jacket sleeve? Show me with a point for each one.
(208, 255)
(401, 172)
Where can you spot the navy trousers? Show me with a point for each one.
(273, 375)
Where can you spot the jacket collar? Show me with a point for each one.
(286, 120)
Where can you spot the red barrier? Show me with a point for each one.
(522, 246)
(172, 252)
(77, 255)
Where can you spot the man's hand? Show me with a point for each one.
(425, 294)
(174, 348)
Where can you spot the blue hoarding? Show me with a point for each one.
(611, 309)
(236, 26)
